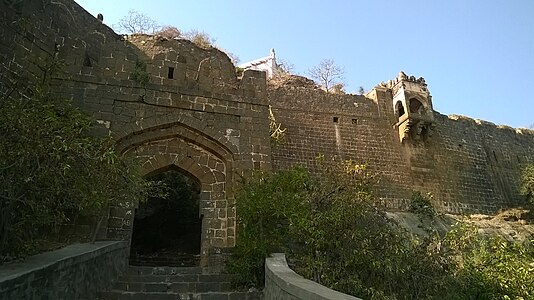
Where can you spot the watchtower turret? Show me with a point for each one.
(412, 106)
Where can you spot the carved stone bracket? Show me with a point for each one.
(415, 129)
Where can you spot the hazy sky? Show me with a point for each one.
(477, 56)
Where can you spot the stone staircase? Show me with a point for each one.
(183, 283)
(166, 259)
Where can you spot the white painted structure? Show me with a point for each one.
(267, 64)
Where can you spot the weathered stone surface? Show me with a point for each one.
(281, 283)
(175, 283)
(74, 272)
(196, 115)
(189, 115)
(469, 166)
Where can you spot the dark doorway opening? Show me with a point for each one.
(167, 227)
(400, 109)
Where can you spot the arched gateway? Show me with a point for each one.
(166, 101)
(203, 121)
(200, 156)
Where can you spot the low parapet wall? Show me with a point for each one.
(74, 272)
(282, 283)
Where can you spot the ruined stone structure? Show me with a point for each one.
(175, 105)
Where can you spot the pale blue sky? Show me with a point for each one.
(477, 56)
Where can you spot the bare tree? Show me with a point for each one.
(136, 22)
(327, 74)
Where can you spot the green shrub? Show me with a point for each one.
(327, 223)
(488, 267)
(335, 236)
(421, 205)
(140, 74)
(527, 182)
(52, 171)
(265, 204)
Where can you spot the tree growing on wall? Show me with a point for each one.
(283, 66)
(136, 22)
(327, 74)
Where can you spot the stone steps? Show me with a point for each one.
(145, 270)
(121, 295)
(174, 287)
(177, 260)
(177, 278)
(184, 283)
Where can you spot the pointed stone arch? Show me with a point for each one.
(416, 106)
(201, 156)
(131, 131)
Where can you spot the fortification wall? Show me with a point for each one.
(173, 104)
(344, 126)
(468, 166)
(167, 102)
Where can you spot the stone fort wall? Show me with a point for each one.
(192, 113)
(468, 165)
(195, 114)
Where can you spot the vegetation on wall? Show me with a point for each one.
(51, 170)
(200, 38)
(328, 75)
(334, 235)
(135, 22)
(421, 205)
(527, 183)
(140, 74)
